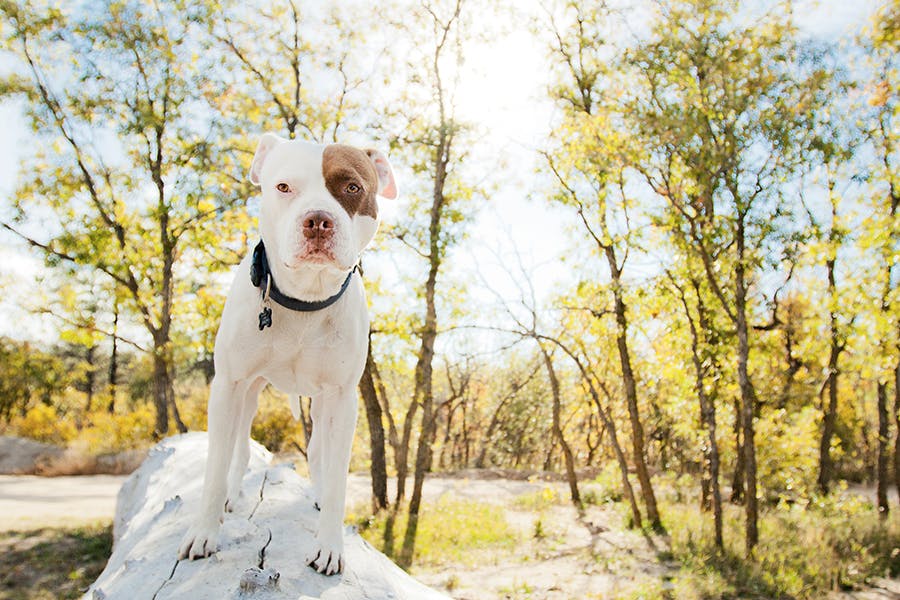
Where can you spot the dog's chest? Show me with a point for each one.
(305, 355)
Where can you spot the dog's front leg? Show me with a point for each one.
(241, 458)
(335, 425)
(225, 399)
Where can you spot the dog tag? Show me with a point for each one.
(265, 318)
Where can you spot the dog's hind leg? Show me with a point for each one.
(225, 400)
(242, 443)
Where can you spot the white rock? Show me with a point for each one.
(262, 546)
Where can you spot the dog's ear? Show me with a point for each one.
(266, 143)
(387, 185)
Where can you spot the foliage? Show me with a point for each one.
(126, 183)
(42, 422)
(791, 435)
(274, 427)
(105, 433)
(29, 373)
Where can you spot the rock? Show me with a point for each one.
(262, 546)
(22, 456)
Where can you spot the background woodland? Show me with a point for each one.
(723, 309)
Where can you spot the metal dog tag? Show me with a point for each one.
(265, 318)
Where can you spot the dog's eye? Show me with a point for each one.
(283, 188)
(352, 188)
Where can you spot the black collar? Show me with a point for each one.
(261, 277)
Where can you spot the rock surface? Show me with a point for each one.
(262, 546)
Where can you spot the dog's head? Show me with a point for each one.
(319, 206)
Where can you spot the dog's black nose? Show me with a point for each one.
(318, 224)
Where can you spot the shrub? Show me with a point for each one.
(42, 423)
(788, 461)
(106, 433)
(274, 426)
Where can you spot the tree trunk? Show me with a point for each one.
(424, 395)
(89, 377)
(306, 420)
(710, 484)
(881, 469)
(423, 389)
(401, 454)
(487, 439)
(737, 478)
(571, 477)
(381, 394)
(829, 416)
(113, 378)
(622, 462)
(176, 414)
(829, 410)
(447, 441)
(161, 387)
(897, 425)
(748, 397)
(637, 429)
(613, 436)
(378, 468)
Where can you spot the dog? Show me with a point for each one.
(296, 317)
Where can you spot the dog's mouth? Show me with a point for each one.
(316, 254)
(311, 256)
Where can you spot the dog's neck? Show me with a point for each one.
(311, 283)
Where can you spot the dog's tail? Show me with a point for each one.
(294, 402)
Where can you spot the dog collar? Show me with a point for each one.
(261, 277)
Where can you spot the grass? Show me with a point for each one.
(836, 542)
(804, 551)
(449, 532)
(52, 564)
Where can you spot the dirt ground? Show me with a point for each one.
(31, 502)
(589, 556)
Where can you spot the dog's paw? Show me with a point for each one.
(200, 542)
(231, 502)
(329, 557)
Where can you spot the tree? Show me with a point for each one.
(586, 162)
(707, 366)
(718, 108)
(431, 147)
(882, 230)
(126, 180)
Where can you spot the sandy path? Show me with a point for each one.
(30, 502)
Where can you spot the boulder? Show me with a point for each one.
(23, 456)
(262, 546)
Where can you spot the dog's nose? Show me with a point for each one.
(318, 224)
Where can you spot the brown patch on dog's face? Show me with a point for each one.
(351, 178)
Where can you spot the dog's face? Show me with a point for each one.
(319, 205)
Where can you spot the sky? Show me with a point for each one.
(502, 90)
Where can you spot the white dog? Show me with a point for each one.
(296, 317)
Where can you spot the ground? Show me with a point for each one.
(558, 552)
